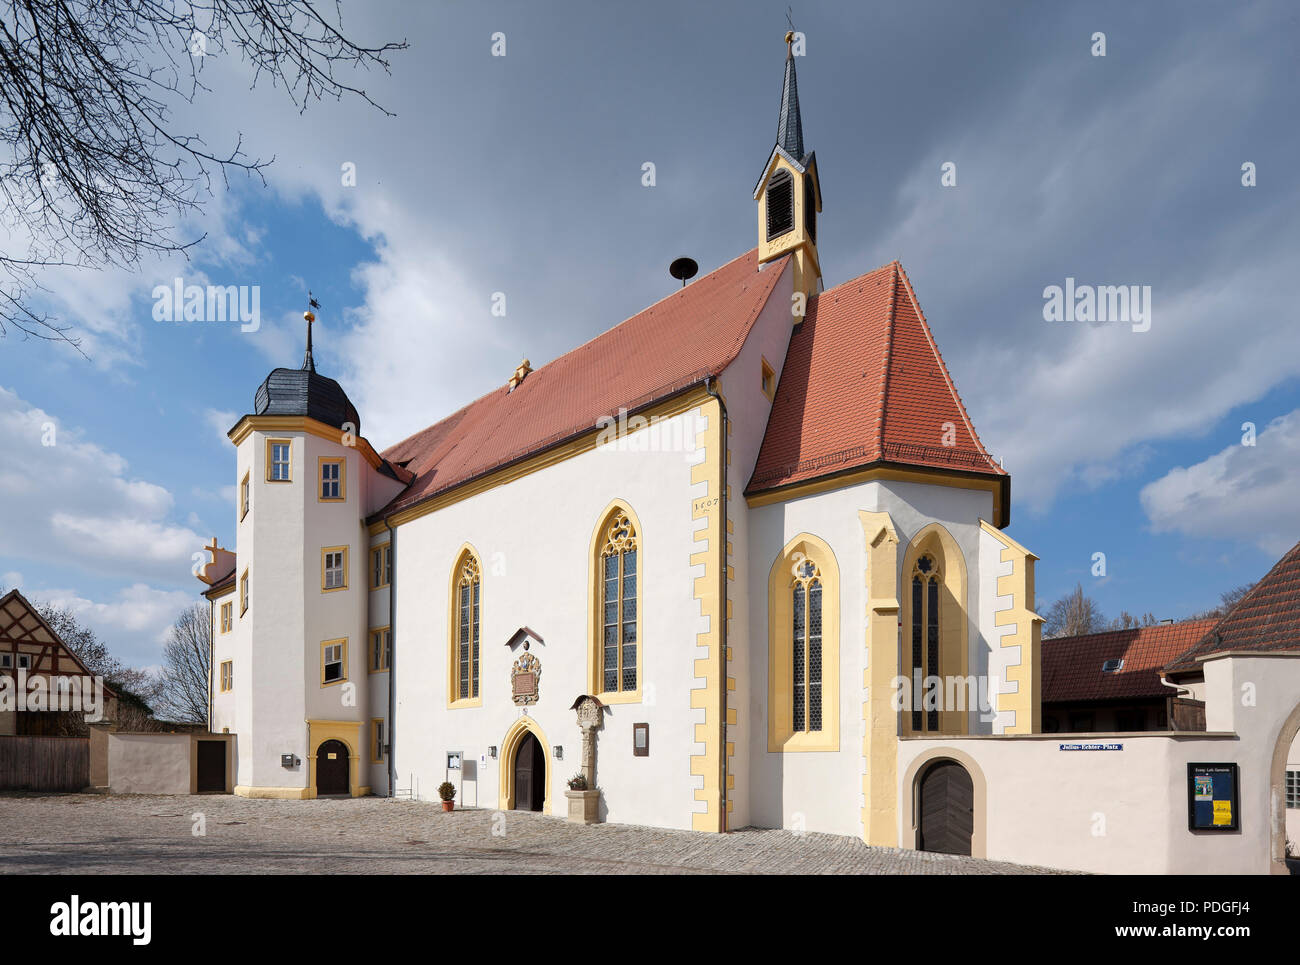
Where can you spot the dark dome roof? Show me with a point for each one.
(304, 392)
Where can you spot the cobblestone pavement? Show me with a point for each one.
(88, 834)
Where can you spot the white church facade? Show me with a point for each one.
(708, 518)
(725, 532)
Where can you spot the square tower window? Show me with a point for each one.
(332, 480)
(278, 460)
(334, 568)
(332, 661)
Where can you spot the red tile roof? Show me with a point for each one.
(864, 383)
(1072, 665)
(1267, 619)
(676, 343)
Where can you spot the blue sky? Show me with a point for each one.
(522, 174)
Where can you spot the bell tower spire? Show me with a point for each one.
(789, 193)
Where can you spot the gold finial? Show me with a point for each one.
(789, 36)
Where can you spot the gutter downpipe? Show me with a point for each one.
(712, 388)
(392, 657)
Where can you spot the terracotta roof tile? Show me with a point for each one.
(1265, 620)
(1072, 665)
(676, 343)
(864, 382)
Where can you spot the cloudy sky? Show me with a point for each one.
(522, 174)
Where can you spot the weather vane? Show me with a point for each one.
(310, 316)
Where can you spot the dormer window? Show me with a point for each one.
(1113, 666)
(780, 204)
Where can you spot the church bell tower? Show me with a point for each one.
(789, 193)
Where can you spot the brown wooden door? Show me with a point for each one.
(947, 808)
(212, 767)
(332, 769)
(530, 775)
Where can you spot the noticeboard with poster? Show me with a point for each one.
(1212, 800)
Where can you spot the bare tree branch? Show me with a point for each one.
(93, 173)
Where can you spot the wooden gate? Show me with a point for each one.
(947, 808)
(530, 775)
(332, 768)
(44, 763)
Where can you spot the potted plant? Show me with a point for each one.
(447, 791)
(584, 800)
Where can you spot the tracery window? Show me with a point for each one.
(806, 648)
(468, 589)
(926, 580)
(618, 568)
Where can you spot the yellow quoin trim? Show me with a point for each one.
(879, 720)
(1027, 675)
(796, 242)
(780, 647)
(595, 617)
(688, 400)
(349, 733)
(509, 747)
(464, 555)
(954, 620)
(711, 697)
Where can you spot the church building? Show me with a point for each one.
(719, 561)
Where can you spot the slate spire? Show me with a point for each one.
(789, 129)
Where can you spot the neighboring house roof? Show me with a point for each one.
(1072, 665)
(864, 383)
(1265, 620)
(676, 343)
(21, 622)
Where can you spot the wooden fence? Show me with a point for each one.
(44, 763)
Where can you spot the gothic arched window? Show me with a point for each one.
(618, 605)
(926, 621)
(466, 591)
(806, 648)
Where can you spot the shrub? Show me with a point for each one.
(447, 791)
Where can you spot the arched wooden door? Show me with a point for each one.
(947, 809)
(332, 766)
(530, 775)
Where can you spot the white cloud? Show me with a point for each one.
(133, 623)
(1245, 493)
(75, 502)
(220, 421)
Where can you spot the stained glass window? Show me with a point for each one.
(619, 602)
(806, 649)
(467, 631)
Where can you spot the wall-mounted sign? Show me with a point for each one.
(1091, 747)
(1212, 801)
(640, 740)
